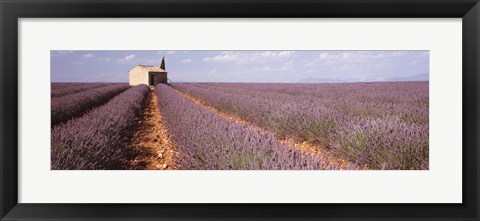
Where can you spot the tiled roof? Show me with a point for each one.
(150, 68)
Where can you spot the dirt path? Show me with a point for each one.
(292, 143)
(151, 141)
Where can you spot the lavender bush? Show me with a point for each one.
(207, 141)
(384, 125)
(95, 140)
(61, 85)
(390, 142)
(75, 88)
(73, 105)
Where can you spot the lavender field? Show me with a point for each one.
(383, 125)
(95, 140)
(240, 126)
(75, 104)
(208, 141)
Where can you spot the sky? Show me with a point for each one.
(244, 66)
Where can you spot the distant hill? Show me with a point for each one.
(320, 80)
(418, 77)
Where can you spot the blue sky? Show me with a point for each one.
(244, 66)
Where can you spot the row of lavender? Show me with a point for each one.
(207, 141)
(384, 125)
(62, 85)
(74, 105)
(96, 139)
(62, 89)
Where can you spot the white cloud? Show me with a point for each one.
(222, 58)
(324, 56)
(129, 57)
(89, 55)
(126, 59)
(187, 60)
(167, 52)
(275, 67)
(288, 66)
(356, 57)
(382, 54)
(104, 59)
(279, 54)
(250, 57)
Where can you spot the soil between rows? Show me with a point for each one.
(150, 140)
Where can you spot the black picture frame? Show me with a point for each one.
(12, 10)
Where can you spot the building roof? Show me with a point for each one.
(149, 68)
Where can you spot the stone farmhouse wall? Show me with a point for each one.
(141, 76)
(137, 76)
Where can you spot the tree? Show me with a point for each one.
(162, 65)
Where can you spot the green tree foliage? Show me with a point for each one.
(162, 65)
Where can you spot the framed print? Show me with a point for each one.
(308, 110)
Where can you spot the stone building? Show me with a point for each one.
(147, 74)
